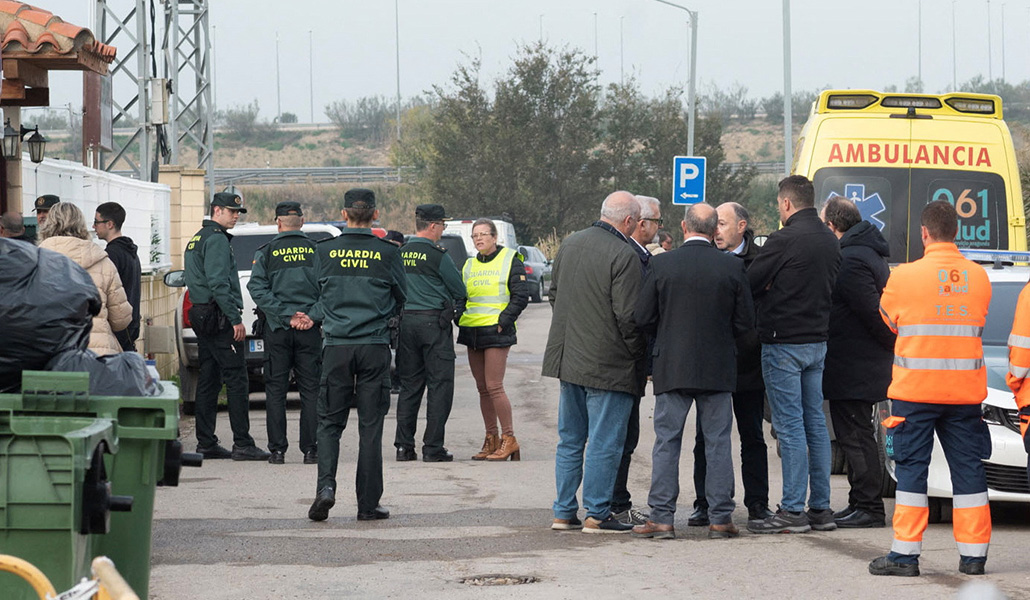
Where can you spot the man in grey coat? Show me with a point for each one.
(596, 350)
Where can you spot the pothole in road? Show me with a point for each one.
(498, 579)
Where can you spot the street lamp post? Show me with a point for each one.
(397, 37)
(691, 107)
(788, 104)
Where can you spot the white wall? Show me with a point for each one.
(146, 204)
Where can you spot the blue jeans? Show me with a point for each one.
(794, 383)
(599, 416)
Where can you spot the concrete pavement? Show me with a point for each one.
(236, 530)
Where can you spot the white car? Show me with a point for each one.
(1006, 468)
(247, 238)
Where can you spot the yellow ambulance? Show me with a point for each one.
(894, 153)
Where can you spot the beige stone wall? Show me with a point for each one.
(158, 301)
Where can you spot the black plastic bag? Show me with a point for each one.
(122, 374)
(47, 304)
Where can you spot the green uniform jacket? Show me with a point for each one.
(360, 285)
(284, 278)
(433, 280)
(211, 273)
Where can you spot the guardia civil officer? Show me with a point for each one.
(43, 205)
(425, 352)
(216, 316)
(361, 289)
(283, 283)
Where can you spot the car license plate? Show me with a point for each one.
(257, 345)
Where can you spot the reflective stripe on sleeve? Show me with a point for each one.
(1018, 372)
(887, 317)
(940, 330)
(911, 499)
(939, 364)
(969, 500)
(1019, 341)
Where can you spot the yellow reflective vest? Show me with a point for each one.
(487, 287)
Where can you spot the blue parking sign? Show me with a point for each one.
(688, 179)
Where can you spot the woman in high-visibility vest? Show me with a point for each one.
(497, 294)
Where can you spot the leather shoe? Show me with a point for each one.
(443, 456)
(324, 500)
(722, 531)
(375, 514)
(840, 514)
(311, 457)
(860, 519)
(214, 452)
(758, 512)
(277, 458)
(406, 454)
(653, 530)
(698, 518)
(249, 453)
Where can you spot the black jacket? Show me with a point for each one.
(860, 351)
(478, 338)
(124, 254)
(697, 302)
(792, 280)
(749, 349)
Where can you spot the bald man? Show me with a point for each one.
(596, 350)
(696, 302)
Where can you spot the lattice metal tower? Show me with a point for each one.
(136, 83)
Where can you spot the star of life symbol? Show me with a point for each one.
(868, 206)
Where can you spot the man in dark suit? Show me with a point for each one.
(697, 302)
(733, 235)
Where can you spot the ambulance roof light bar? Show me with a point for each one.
(997, 257)
(850, 101)
(910, 102)
(971, 105)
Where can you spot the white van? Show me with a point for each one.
(463, 229)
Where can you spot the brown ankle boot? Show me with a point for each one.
(509, 449)
(490, 445)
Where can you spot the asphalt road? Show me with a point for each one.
(240, 530)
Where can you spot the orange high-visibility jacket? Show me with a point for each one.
(1019, 350)
(937, 305)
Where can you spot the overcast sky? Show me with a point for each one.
(867, 44)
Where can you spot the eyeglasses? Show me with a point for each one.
(479, 236)
(657, 222)
(99, 221)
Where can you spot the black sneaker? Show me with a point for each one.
(406, 454)
(311, 457)
(783, 521)
(972, 568)
(569, 524)
(860, 519)
(609, 525)
(214, 452)
(324, 500)
(376, 514)
(886, 566)
(249, 453)
(277, 457)
(821, 519)
(758, 511)
(698, 518)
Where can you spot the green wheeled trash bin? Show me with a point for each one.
(53, 494)
(144, 432)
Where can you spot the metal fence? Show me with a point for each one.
(306, 175)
